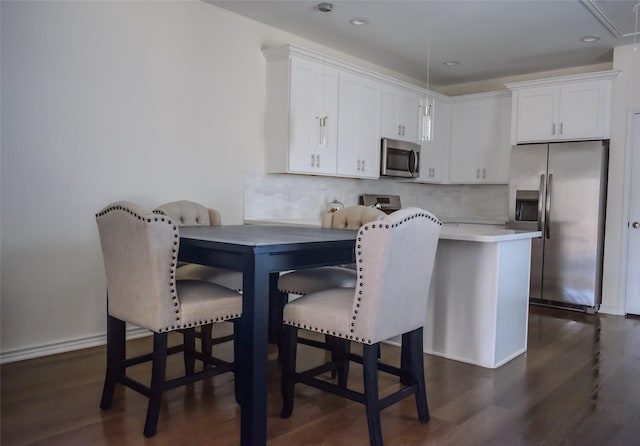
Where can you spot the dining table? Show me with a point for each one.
(261, 252)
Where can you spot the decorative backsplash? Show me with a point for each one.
(306, 196)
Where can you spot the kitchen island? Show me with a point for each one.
(479, 299)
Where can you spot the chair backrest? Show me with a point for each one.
(190, 213)
(394, 259)
(140, 252)
(351, 217)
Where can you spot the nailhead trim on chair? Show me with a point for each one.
(173, 265)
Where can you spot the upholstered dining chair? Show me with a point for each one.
(306, 281)
(394, 259)
(140, 252)
(190, 213)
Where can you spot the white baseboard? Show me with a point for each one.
(21, 354)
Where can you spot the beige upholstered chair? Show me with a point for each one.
(140, 251)
(394, 259)
(189, 213)
(306, 281)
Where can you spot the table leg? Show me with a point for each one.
(253, 336)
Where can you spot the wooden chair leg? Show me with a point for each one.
(405, 357)
(340, 353)
(370, 371)
(157, 382)
(189, 336)
(206, 334)
(417, 374)
(116, 351)
(288, 360)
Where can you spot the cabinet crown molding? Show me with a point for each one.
(609, 74)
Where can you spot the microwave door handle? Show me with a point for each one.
(413, 165)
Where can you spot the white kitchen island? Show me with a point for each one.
(479, 300)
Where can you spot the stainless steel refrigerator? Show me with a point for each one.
(560, 189)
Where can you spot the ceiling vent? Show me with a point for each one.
(618, 17)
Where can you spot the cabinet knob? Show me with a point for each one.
(635, 225)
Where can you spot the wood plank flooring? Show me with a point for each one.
(578, 384)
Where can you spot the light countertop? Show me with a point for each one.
(471, 232)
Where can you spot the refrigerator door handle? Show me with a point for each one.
(540, 197)
(547, 215)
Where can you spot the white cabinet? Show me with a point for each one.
(400, 113)
(308, 120)
(434, 154)
(480, 147)
(568, 108)
(359, 105)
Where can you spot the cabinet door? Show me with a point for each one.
(467, 157)
(313, 102)
(400, 113)
(537, 114)
(497, 144)
(583, 110)
(434, 154)
(360, 103)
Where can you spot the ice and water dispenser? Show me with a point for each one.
(527, 205)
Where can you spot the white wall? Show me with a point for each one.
(106, 101)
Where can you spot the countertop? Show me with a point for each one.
(470, 232)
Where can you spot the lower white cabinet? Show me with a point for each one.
(359, 105)
(480, 139)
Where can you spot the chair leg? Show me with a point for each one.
(157, 382)
(206, 334)
(288, 344)
(189, 336)
(116, 352)
(405, 357)
(340, 354)
(417, 374)
(370, 371)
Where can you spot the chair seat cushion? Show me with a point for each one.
(329, 309)
(205, 302)
(307, 281)
(225, 277)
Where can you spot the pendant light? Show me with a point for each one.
(427, 110)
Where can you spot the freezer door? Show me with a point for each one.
(574, 223)
(526, 196)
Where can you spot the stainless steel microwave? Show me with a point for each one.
(399, 158)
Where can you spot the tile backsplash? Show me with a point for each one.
(306, 196)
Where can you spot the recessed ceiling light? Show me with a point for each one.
(590, 39)
(451, 63)
(325, 7)
(359, 21)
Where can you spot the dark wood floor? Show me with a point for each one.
(578, 384)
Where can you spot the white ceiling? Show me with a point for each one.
(490, 38)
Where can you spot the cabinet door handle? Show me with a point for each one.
(553, 128)
(313, 161)
(318, 160)
(484, 174)
(478, 173)
(561, 125)
(363, 165)
(399, 130)
(402, 130)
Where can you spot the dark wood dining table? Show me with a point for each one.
(261, 252)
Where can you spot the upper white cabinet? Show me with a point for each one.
(360, 102)
(400, 113)
(480, 147)
(302, 116)
(434, 153)
(564, 108)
